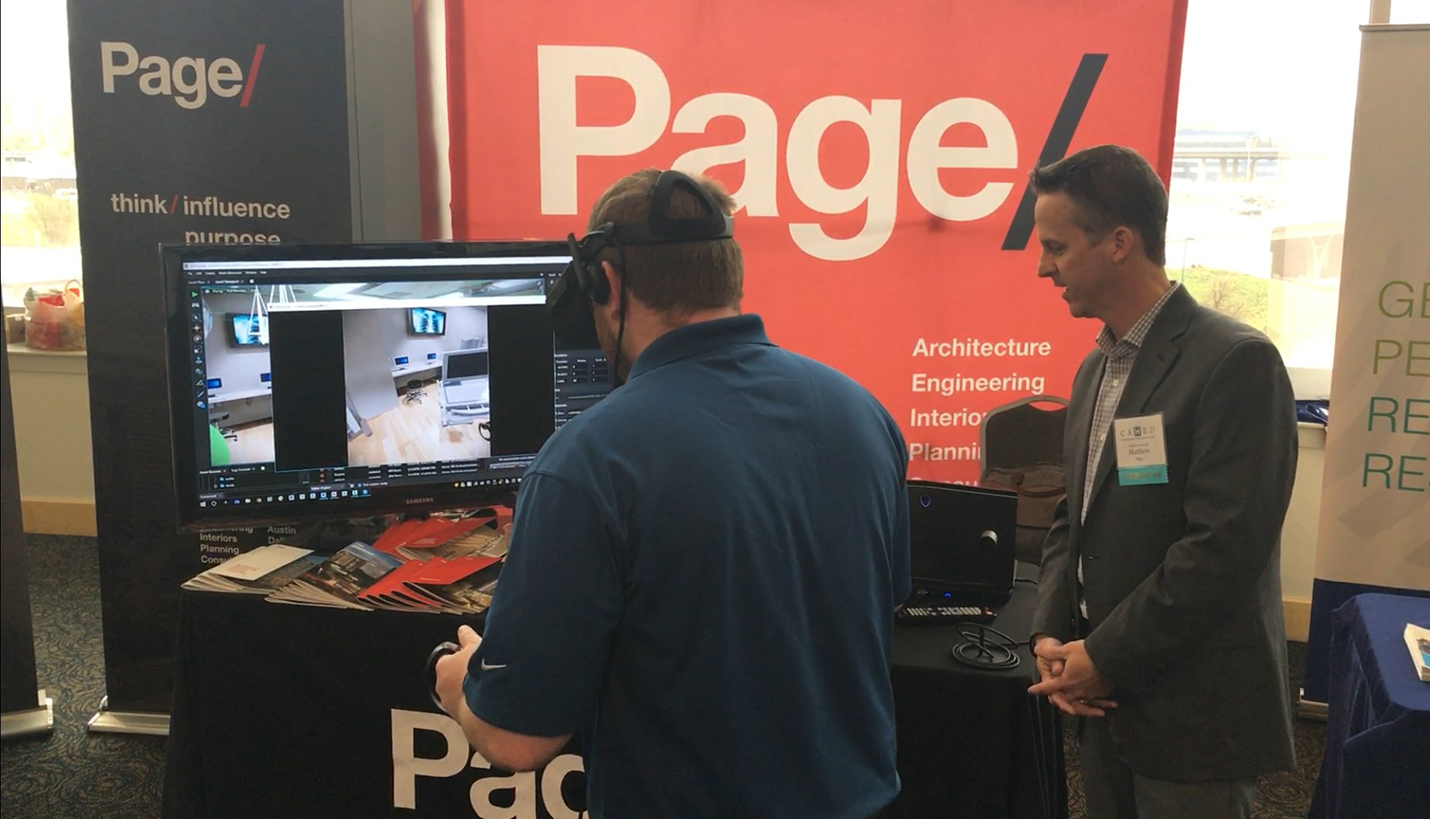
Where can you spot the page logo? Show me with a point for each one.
(187, 80)
(563, 141)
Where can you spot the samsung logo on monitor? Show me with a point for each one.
(411, 501)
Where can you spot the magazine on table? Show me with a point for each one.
(338, 581)
(483, 541)
(259, 571)
(1417, 639)
(396, 535)
(390, 592)
(470, 595)
(417, 585)
(441, 564)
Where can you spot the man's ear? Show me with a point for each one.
(613, 279)
(1124, 241)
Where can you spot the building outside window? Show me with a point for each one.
(39, 215)
(1261, 166)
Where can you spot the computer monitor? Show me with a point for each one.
(265, 377)
(342, 440)
(431, 356)
(215, 383)
(400, 361)
(459, 364)
(424, 321)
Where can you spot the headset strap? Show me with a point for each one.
(715, 224)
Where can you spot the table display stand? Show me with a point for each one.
(1310, 709)
(128, 722)
(30, 721)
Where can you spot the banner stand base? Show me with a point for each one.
(1310, 709)
(31, 721)
(128, 722)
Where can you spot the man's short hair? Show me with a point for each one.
(1111, 186)
(677, 278)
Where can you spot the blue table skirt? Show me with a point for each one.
(1377, 761)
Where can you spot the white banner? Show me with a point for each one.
(1375, 496)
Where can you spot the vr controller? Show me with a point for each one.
(429, 676)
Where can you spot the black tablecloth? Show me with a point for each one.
(972, 742)
(296, 711)
(1377, 760)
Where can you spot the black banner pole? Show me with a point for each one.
(27, 710)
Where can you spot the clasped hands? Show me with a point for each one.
(1070, 680)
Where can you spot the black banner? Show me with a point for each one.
(198, 122)
(18, 686)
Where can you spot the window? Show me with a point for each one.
(1406, 12)
(1261, 165)
(39, 214)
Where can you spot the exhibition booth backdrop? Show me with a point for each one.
(879, 160)
(1375, 514)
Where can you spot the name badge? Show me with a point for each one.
(1141, 450)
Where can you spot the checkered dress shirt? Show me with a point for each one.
(1116, 369)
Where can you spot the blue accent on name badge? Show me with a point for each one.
(1142, 475)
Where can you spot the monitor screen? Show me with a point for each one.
(339, 435)
(400, 360)
(247, 330)
(424, 321)
(215, 383)
(464, 364)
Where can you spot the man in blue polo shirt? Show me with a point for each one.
(704, 566)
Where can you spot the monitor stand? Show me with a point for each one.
(334, 535)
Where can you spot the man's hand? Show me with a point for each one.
(452, 672)
(1070, 681)
(1048, 667)
(502, 748)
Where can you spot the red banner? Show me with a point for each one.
(879, 153)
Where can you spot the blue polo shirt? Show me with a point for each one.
(702, 580)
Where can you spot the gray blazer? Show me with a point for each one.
(1182, 579)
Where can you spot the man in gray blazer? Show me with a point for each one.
(1159, 614)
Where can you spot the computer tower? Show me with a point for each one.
(961, 542)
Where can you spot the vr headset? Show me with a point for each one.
(583, 283)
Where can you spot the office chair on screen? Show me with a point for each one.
(1021, 449)
(217, 418)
